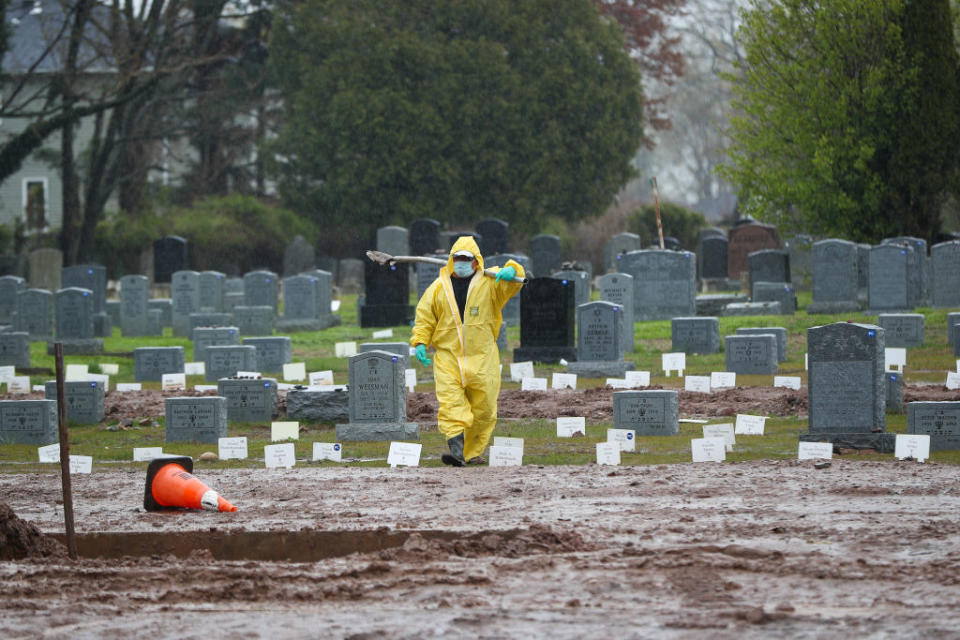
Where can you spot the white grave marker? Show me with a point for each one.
(724, 431)
(334, 306)
(895, 358)
(232, 448)
(564, 381)
(39, 387)
(49, 453)
(708, 449)
(327, 451)
(503, 441)
(383, 333)
(295, 371)
(203, 388)
(958, 366)
(194, 368)
(625, 438)
(284, 431)
(637, 378)
(7, 372)
(814, 450)
(748, 425)
(145, 454)
(410, 379)
(501, 456)
(916, 446)
(77, 372)
(81, 464)
(533, 384)
(567, 426)
(404, 454)
(608, 453)
(173, 382)
(787, 382)
(697, 384)
(345, 349)
(806, 362)
(111, 369)
(279, 455)
(617, 383)
(19, 384)
(673, 362)
(521, 370)
(953, 380)
(723, 379)
(125, 387)
(321, 377)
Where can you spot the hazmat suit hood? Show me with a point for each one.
(464, 243)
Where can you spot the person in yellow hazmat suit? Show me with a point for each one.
(460, 316)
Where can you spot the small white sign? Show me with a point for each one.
(100, 377)
(232, 448)
(404, 454)
(77, 372)
(748, 425)
(533, 384)
(503, 441)
(125, 387)
(345, 349)
(284, 431)
(203, 388)
(501, 456)
(787, 382)
(806, 362)
(7, 372)
(617, 383)
(567, 426)
(334, 305)
(256, 375)
(39, 387)
(285, 386)
(328, 451)
(49, 453)
(109, 368)
(916, 446)
(723, 379)
(295, 371)
(81, 464)
(145, 454)
(173, 382)
(383, 333)
(724, 430)
(521, 370)
(194, 368)
(321, 377)
(410, 379)
(279, 455)
(19, 384)
(626, 439)
(958, 366)
(895, 358)
(814, 450)
(953, 380)
(563, 381)
(608, 453)
(674, 362)
(708, 449)
(697, 384)
(637, 378)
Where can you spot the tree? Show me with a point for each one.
(847, 115)
(455, 110)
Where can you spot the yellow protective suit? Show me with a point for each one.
(466, 366)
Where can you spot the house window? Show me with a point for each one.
(35, 202)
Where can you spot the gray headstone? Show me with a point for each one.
(581, 282)
(863, 272)
(313, 406)
(920, 286)
(74, 314)
(378, 402)
(618, 289)
(502, 337)
(546, 253)
(779, 332)
(10, 287)
(712, 258)
(35, 313)
(102, 325)
(249, 400)
(233, 300)
(546, 321)
(426, 274)
(298, 256)
(204, 337)
(169, 256)
(15, 349)
(401, 349)
(894, 383)
(835, 277)
(776, 292)
(233, 285)
(393, 240)
(300, 298)
(165, 307)
(746, 238)
(891, 277)
(208, 319)
(771, 308)
(945, 272)
(953, 332)
(254, 321)
(211, 290)
(511, 311)
(664, 283)
(84, 399)
(261, 288)
(150, 363)
(714, 304)
(769, 265)
(618, 245)
(272, 352)
(424, 237)
(87, 276)
(45, 266)
(495, 236)
(350, 274)
(28, 422)
(113, 310)
(154, 322)
(800, 248)
(196, 419)
(226, 360)
(600, 346)
(939, 420)
(695, 334)
(185, 289)
(648, 413)
(846, 389)
(134, 294)
(751, 354)
(902, 329)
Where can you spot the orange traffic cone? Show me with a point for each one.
(171, 485)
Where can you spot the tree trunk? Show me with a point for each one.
(71, 196)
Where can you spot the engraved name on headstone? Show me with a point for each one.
(618, 289)
(28, 422)
(902, 329)
(647, 413)
(939, 420)
(196, 419)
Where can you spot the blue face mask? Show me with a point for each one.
(463, 269)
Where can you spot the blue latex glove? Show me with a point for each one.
(421, 353)
(507, 273)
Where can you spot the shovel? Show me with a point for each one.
(385, 258)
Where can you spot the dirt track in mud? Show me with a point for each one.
(758, 549)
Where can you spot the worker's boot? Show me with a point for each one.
(455, 457)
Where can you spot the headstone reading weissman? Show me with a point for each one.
(378, 400)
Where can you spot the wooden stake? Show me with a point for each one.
(656, 204)
(64, 454)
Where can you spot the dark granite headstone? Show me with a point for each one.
(150, 363)
(779, 332)
(751, 354)
(939, 420)
(495, 234)
(647, 413)
(134, 294)
(169, 256)
(196, 419)
(776, 292)
(84, 399)
(378, 401)
(249, 400)
(891, 278)
(424, 237)
(15, 349)
(546, 254)
(953, 332)
(894, 383)
(261, 288)
(387, 302)
(546, 321)
(74, 314)
(945, 274)
(88, 276)
(695, 334)
(920, 286)
(769, 265)
(10, 287)
(835, 277)
(902, 329)
(35, 313)
(712, 258)
(427, 272)
(664, 283)
(28, 422)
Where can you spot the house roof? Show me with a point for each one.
(34, 25)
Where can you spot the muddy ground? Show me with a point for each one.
(732, 550)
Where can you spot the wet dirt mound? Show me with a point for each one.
(19, 539)
(538, 539)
